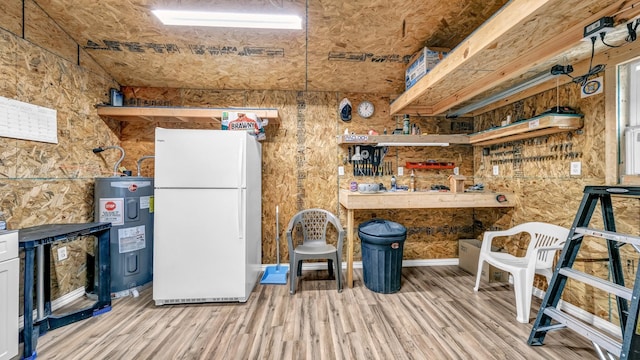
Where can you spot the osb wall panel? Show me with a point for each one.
(44, 32)
(547, 192)
(301, 156)
(53, 183)
(431, 233)
(11, 16)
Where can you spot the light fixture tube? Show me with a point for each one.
(536, 80)
(236, 20)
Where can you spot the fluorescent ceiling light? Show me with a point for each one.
(236, 20)
(536, 80)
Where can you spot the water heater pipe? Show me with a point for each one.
(117, 165)
(143, 158)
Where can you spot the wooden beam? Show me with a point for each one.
(610, 128)
(521, 64)
(512, 16)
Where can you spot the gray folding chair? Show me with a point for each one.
(312, 225)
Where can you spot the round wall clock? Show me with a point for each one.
(365, 109)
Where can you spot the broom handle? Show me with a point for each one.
(278, 236)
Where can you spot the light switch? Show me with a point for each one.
(400, 171)
(341, 170)
(496, 170)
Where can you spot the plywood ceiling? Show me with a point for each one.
(356, 46)
(346, 46)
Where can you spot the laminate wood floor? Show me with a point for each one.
(436, 315)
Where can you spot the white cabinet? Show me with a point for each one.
(9, 272)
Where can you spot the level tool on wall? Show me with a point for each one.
(551, 317)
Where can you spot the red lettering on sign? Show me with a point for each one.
(110, 206)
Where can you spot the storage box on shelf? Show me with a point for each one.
(422, 62)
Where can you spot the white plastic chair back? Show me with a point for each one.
(545, 240)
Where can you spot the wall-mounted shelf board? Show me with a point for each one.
(404, 140)
(180, 114)
(538, 126)
(429, 165)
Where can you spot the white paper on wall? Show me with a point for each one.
(20, 120)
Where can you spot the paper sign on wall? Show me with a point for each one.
(20, 120)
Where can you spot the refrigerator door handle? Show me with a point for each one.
(241, 208)
(241, 204)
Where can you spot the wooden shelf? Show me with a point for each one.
(534, 127)
(429, 165)
(424, 200)
(404, 140)
(502, 53)
(180, 114)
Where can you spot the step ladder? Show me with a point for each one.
(550, 317)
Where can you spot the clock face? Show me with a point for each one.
(365, 109)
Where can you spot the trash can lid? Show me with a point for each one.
(382, 228)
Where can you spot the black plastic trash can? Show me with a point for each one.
(382, 246)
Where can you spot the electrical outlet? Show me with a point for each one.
(603, 24)
(62, 253)
(341, 170)
(576, 168)
(496, 170)
(400, 171)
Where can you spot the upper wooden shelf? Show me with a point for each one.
(534, 127)
(404, 140)
(506, 51)
(180, 114)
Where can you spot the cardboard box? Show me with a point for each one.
(469, 251)
(422, 62)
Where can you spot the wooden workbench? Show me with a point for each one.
(413, 200)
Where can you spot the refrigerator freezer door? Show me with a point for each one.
(199, 255)
(186, 158)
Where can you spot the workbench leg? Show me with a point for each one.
(350, 248)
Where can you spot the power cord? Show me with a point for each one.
(602, 34)
(631, 28)
(582, 80)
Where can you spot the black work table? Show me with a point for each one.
(39, 238)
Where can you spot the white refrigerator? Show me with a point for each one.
(207, 216)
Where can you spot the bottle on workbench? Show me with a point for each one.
(406, 125)
(412, 182)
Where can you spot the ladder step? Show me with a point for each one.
(609, 235)
(598, 337)
(608, 286)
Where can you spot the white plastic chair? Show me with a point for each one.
(313, 224)
(545, 239)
